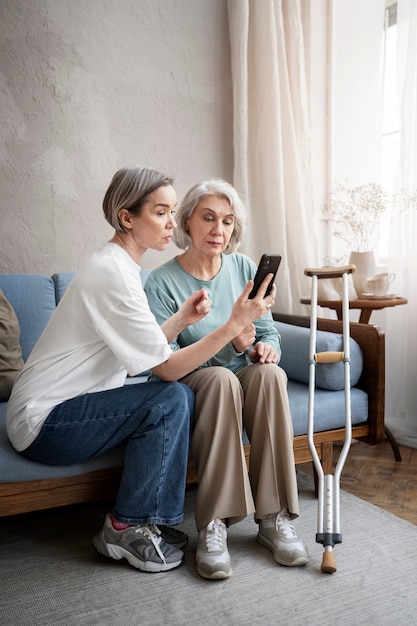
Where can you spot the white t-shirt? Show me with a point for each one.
(101, 330)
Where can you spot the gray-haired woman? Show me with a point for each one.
(240, 384)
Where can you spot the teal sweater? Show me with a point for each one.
(169, 285)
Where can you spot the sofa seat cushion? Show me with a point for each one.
(329, 408)
(16, 468)
(295, 342)
(11, 361)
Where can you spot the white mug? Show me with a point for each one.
(378, 285)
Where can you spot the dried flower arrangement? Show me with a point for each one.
(356, 213)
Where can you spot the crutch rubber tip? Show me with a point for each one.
(328, 564)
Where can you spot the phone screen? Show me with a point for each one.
(268, 264)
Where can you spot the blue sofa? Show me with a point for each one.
(26, 485)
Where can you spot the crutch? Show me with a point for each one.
(328, 517)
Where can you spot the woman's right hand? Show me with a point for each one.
(246, 310)
(192, 310)
(195, 307)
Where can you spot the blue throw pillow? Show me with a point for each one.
(295, 341)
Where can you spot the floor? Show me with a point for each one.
(371, 473)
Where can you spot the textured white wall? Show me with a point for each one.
(87, 86)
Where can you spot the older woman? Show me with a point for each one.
(70, 403)
(240, 384)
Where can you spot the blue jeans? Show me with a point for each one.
(152, 420)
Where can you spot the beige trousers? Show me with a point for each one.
(255, 397)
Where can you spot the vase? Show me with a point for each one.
(365, 264)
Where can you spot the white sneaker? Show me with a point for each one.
(277, 533)
(213, 559)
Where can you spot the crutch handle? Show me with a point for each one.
(330, 272)
(329, 357)
(328, 563)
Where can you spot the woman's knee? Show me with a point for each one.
(268, 374)
(278, 374)
(216, 377)
(173, 399)
(224, 378)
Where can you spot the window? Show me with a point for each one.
(390, 105)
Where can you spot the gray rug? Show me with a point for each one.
(51, 575)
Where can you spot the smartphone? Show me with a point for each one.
(268, 264)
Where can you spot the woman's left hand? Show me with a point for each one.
(263, 353)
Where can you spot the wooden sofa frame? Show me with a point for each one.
(22, 497)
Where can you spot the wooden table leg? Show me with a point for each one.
(365, 316)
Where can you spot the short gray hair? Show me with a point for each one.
(129, 189)
(214, 187)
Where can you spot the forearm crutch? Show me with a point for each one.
(328, 518)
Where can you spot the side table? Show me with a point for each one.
(366, 306)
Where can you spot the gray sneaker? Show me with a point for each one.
(277, 533)
(213, 560)
(141, 545)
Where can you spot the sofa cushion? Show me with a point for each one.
(295, 341)
(11, 361)
(32, 297)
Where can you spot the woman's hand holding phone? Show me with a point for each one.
(268, 264)
(247, 310)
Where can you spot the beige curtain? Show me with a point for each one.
(401, 331)
(271, 139)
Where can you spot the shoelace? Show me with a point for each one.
(284, 525)
(152, 533)
(214, 539)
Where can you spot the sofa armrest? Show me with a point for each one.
(371, 339)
